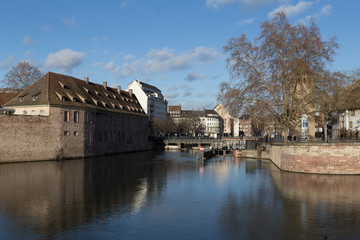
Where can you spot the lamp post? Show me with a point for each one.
(343, 132)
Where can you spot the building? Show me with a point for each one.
(213, 123)
(245, 126)
(7, 94)
(175, 113)
(150, 98)
(347, 121)
(60, 116)
(209, 119)
(230, 123)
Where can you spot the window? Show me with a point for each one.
(42, 113)
(25, 112)
(76, 133)
(86, 117)
(105, 136)
(66, 133)
(76, 116)
(350, 124)
(66, 116)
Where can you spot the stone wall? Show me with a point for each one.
(316, 158)
(36, 138)
(28, 138)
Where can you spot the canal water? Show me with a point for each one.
(172, 195)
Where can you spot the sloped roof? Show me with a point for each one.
(7, 94)
(150, 87)
(60, 90)
(211, 112)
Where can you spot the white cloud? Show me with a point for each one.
(46, 28)
(176, 87)
(29, 42)
(96, 64)
(218, 3)
(325, 10)
(292, 10)
(69, 22)
(5, 64)
(64, 60)
(124, 4)
(171, 95)
(159, 61)
(129, 57)
(245, 4)
(187, 93)
(205, 54)
(195, 76)
(111, 67)
(245, 22)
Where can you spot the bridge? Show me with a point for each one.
(195, 143)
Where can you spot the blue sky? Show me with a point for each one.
(174, 45)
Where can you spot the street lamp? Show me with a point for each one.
(343, 135)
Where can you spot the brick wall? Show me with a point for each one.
(321, 158)
(34, 138)
(28, 138)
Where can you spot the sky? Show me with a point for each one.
(175, 45)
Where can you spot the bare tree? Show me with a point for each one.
(330, 96)
(191, 124)
(164, 126)
(21, 76)
(277, 70)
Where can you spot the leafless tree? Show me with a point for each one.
(21, 76)
(165, 126)
(191, 124)
(277, 70)
(331, 96)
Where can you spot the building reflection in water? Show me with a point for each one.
(176, 196)
(57, 195)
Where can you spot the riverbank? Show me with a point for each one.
(320, 158)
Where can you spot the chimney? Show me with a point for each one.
(105, 85)
(86, 79)
(119, 89)
(204, 109)
(130, 92)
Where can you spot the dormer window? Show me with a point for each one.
(65, 99)
(34, 97)
(22, 97)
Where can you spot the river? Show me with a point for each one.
(172, 195)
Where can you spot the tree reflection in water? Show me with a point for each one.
(171, 195)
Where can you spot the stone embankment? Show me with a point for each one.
(339, 158)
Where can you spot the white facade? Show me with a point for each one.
(150, 98)
(348, 121)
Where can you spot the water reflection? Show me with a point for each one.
(171, 195)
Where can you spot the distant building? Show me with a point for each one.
(175, 113)
(212, 122)
(59, 117)
(7, 94)
(150, 98)
(230, 124)
(245, 126)
(210, 119)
